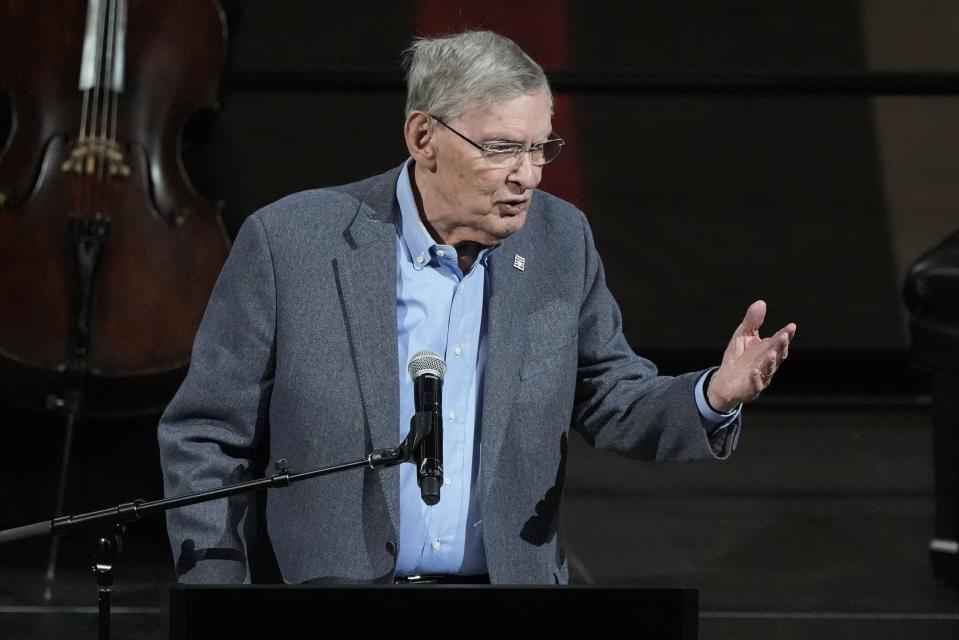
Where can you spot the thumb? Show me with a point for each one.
(755, 315)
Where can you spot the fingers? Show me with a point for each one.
(789, 330)
(770, 366)
(779, 341)
(756, 385)
(755, 315)
(762, 374)
(767, 362)
(782, 339)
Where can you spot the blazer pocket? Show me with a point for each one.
(551, 331)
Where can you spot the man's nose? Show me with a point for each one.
(526, 174)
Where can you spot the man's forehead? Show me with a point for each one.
(534, 102)
(527, 115)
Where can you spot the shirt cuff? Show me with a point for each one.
(713, 418)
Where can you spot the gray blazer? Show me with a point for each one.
(296, 358)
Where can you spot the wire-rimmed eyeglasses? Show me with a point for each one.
(508, 154)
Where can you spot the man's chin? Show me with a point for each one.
(505, 227)
(495, 228)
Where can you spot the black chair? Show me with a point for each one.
(932, 296)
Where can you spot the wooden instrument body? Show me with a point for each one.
(165, 244)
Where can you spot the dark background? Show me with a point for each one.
(705, 192)
(701, 200)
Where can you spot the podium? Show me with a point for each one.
(285, 611)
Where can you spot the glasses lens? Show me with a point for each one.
(509, 155)
(548, 151)
(503, 155)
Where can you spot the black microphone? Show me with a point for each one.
(426, 427)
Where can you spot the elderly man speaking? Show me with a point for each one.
(326, 296)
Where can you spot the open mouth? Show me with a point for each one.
(514, 208)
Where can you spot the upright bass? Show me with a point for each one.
(107, 252)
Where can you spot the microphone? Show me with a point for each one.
(426, 427)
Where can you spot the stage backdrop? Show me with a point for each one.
(701, 200)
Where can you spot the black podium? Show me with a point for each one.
(279, 611)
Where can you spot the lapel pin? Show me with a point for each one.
(519, 262)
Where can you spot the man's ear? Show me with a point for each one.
(418, 131)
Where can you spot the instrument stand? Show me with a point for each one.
(88, 236)
(50, 575)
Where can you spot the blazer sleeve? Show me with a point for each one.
(621, 403)
(211, 433)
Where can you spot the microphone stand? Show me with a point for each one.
(111, 522)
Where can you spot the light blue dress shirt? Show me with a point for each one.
(440, 308)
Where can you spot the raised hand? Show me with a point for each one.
(749, 362)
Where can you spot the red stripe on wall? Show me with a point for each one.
(540, 28)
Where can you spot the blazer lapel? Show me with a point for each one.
(366, 275)
(506, 338)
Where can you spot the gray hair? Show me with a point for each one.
(447, 75)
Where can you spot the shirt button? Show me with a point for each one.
(457, 351)
(419, 259)
(436, 545)
(452, 415)
(461, 286)
(447, 481)
(440, 253)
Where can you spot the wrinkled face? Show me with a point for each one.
(487, 204)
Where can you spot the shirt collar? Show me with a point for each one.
(419, 244)
(417, 240)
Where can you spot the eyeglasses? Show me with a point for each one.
(509, 154)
